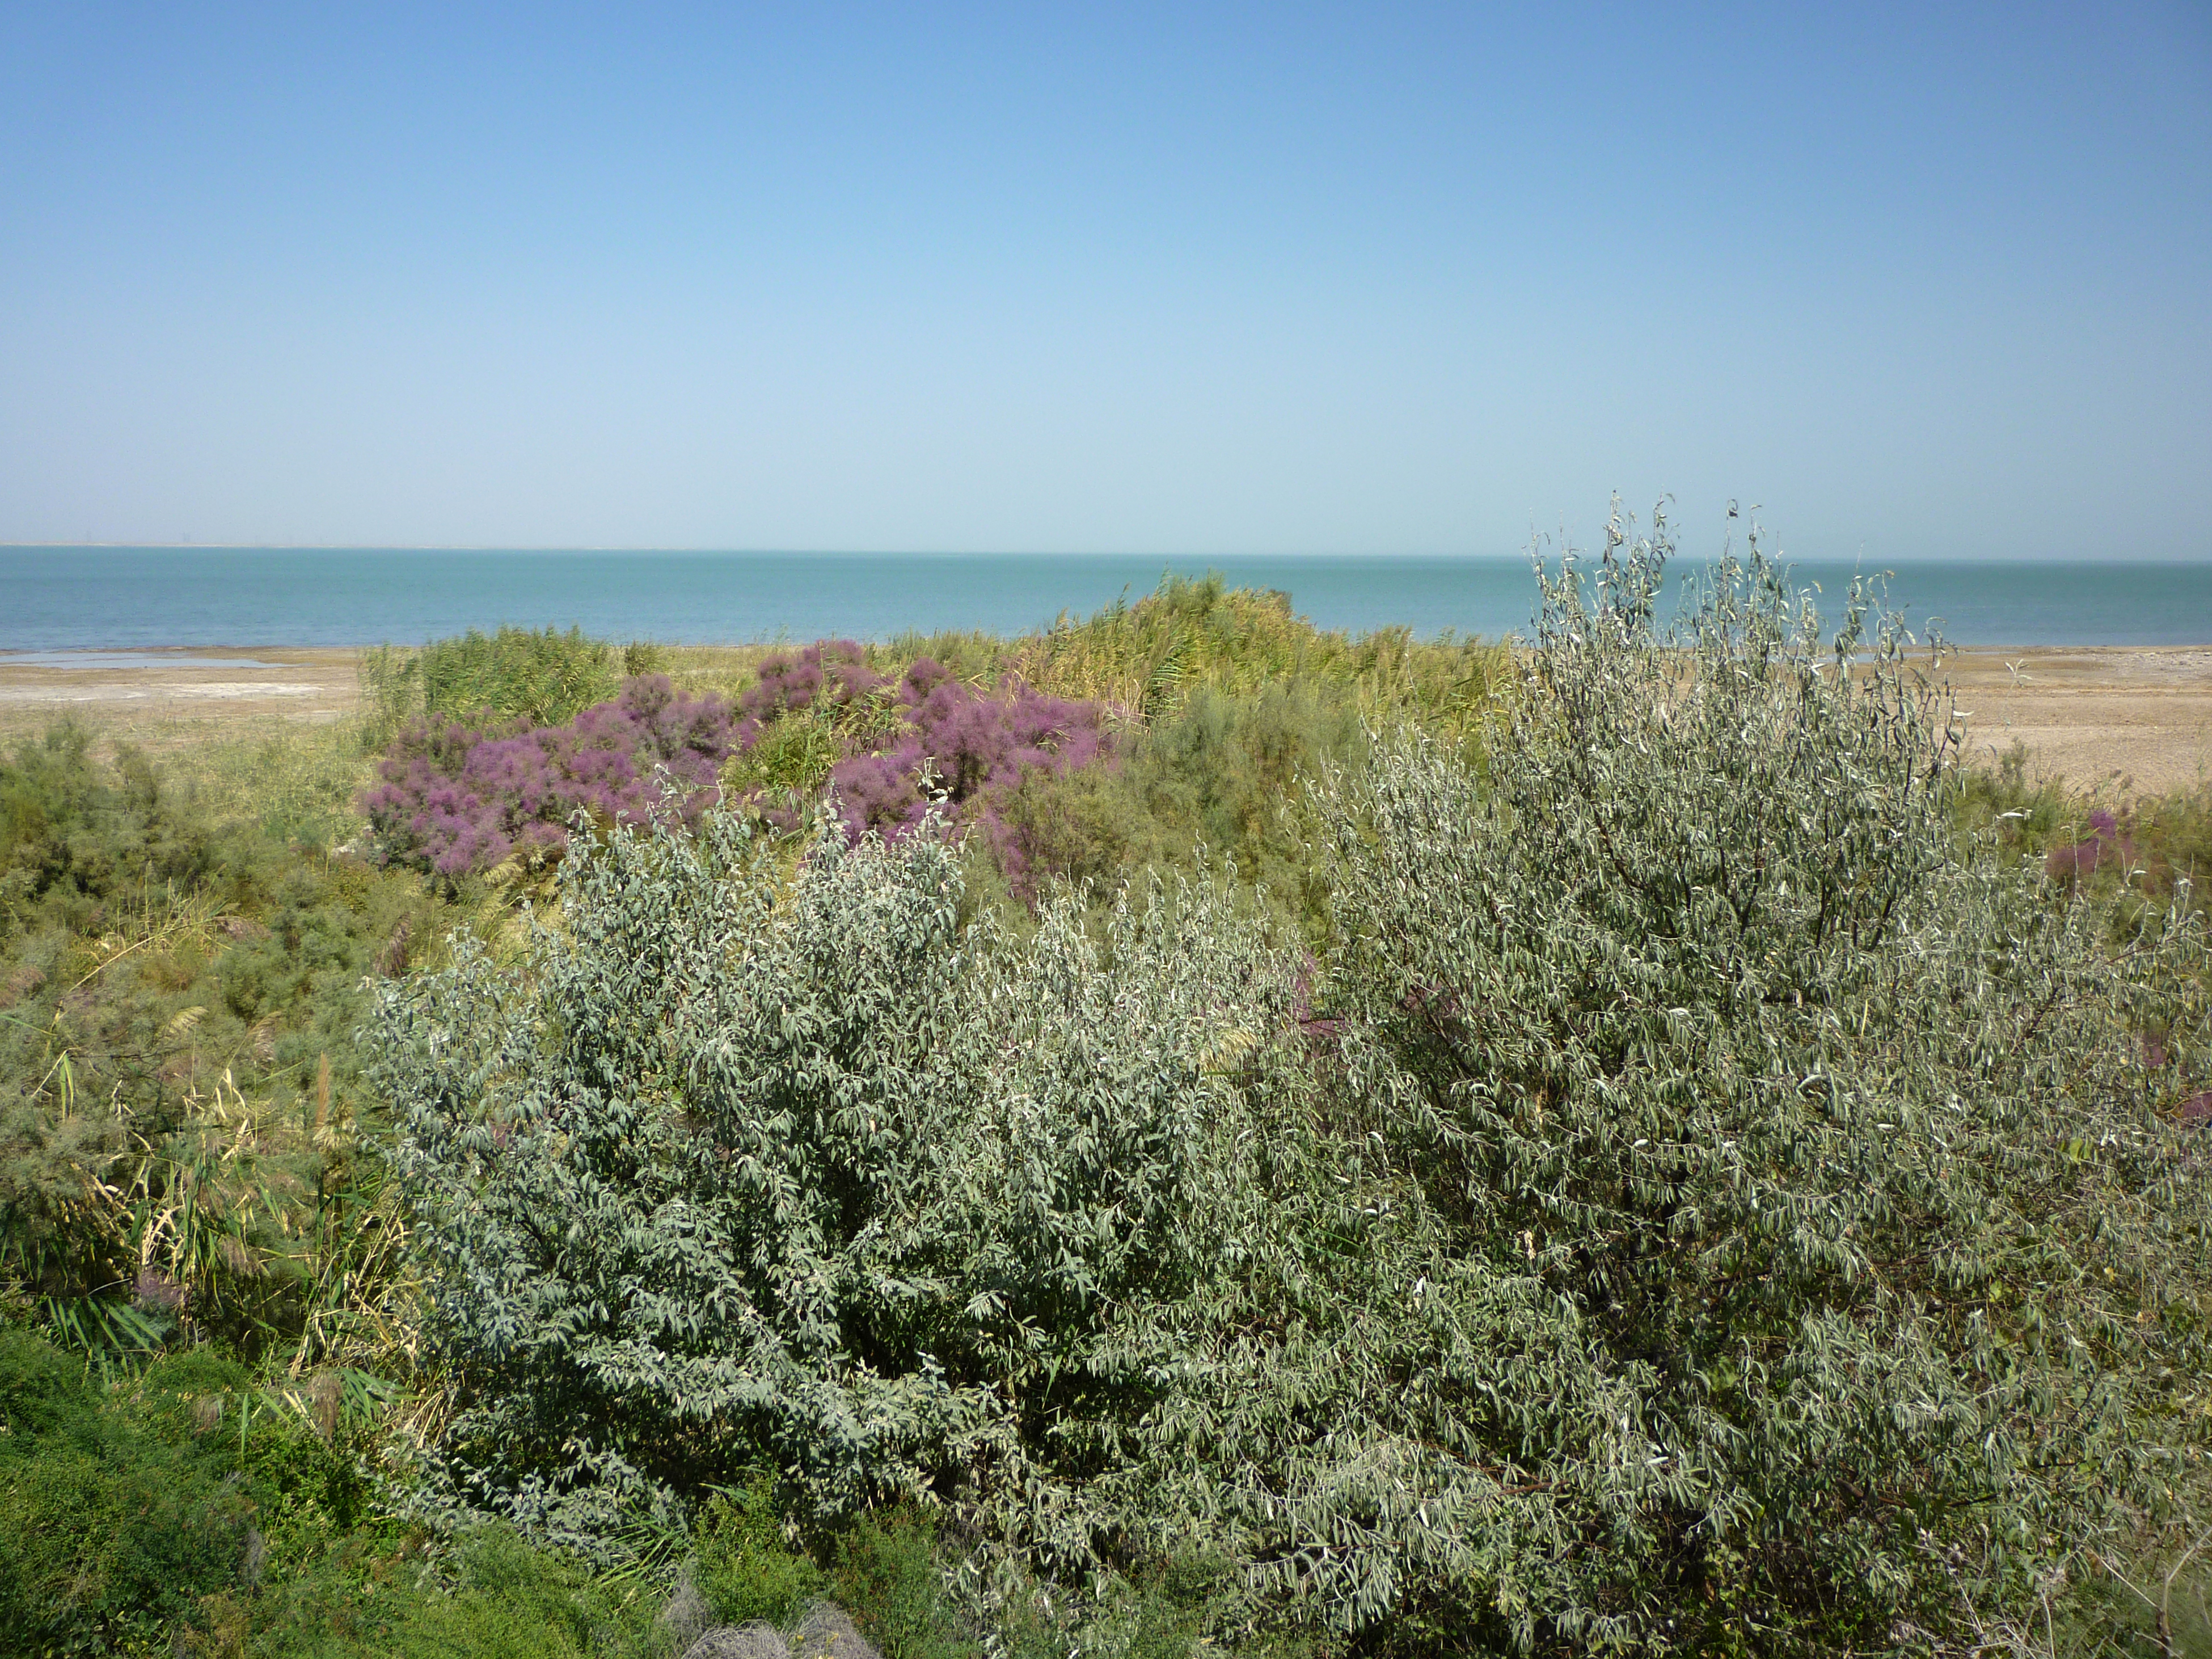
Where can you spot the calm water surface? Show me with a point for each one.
(74, 599)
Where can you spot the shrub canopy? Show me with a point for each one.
(734, 1170)
(1832, 1150)
(1697, 1202)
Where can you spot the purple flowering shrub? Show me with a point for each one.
(973, 749)
(457, 796)
(831, 674)
(2108, 844)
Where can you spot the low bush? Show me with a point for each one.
(1148, 658)
(538, 678)
(896, 750)
(455, 798)
(181, 1100)
(743, 1563)
(960, 753)
(131, 1501)
(853, 1195)
(831, 676)
(1222, 776)
(489, 1595)
(187, 1507)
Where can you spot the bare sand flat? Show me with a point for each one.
(2122, 720)
(160, 698)
(2129, 721)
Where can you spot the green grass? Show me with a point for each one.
(183, 962)
(542, 678)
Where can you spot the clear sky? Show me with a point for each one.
(1920, 279)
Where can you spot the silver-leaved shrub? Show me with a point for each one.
(1840, 1159)
(745, 1164)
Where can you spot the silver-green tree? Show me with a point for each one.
(1831, 1141)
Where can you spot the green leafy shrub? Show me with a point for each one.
(118, 1518)
(189, 1505)
(111, 1548)
(1231, 702)
(842, 1186)
(43, 797)
(1219, 774)
(888, 1571)
(490, 1595)
(1149, 657)
(42, 1390)
(546, 679)
(742, 1561)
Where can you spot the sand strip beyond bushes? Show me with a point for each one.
(159, 698)
(2130, 720)
(2122, 720)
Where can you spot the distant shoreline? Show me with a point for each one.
(2116, 718)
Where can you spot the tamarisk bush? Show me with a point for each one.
(455, 797)
(830, 673)
(928, 743)
(974, 748)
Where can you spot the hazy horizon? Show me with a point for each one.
(1189, 562)
(1184, 283)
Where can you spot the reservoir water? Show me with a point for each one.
(106, 598)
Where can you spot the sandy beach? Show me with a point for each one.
(2126, 720)
(163, 697)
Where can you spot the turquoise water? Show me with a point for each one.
(74, 598)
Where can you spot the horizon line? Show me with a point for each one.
(750, 552)
(1781, 555)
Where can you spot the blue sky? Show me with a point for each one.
(1187, 280)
